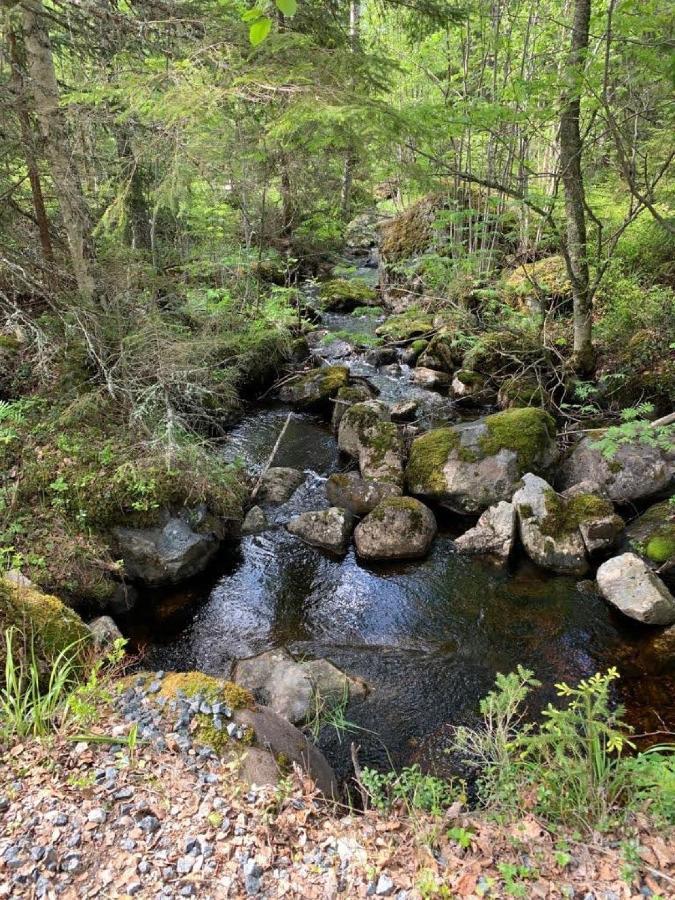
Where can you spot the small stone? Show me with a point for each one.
(192, 846)
(37, 853)
(143, 867)
(205, 709)
(4, 803)
(155, 687)
(185, 864)
(72, 864)
(384, 885)
(188, 890)
(232, 729)
(217, 723)
(98, 816)
(134, 887)
(149, 824)
(124, 793)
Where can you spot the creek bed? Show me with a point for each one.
(429, 636)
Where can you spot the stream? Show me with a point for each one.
(428, 636)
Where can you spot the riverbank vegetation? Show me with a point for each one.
(189, 190)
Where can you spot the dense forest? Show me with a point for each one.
(337, 360)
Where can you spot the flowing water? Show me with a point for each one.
(428, 636)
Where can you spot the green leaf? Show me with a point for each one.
(254, 13)
(287, 7)
(259, 30)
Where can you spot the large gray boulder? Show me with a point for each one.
(315, 388)
(165, 555)
(637, 470)
(382, 454)
(329, 529)
(546, 535)
(255, 521)
(355, 423)
(279, 483)
(294, 689)
(430, 378)
(398, 528)
(472, 466)
(358, 495)
(104, 631)
(626, 582)
(493, 535)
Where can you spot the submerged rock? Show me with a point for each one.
(279, 483)
(398, 528)
(493, 534)
(474, 465)
(166, 555)
(626, 582)
(316, 387)
(329, 529)
(637, 470)
(551, 538)
(658, 655)
(255, 521)
(358, 495)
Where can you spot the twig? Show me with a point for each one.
(365, 796)
(271, 457)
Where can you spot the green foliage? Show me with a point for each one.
(570, 768)
(634, 429)
(30, 704)
(410, 787)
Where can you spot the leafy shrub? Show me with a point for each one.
(412, 788)
(634, 429)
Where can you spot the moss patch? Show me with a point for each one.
(407, 325)
(42, 618)
(428, 455)
(210, 688)
(661, 546)
(526, 431)
(342, 293)
(543, 278)
(565, 516)
(332, 379)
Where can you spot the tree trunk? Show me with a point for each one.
(350, 153)
(570, 163)
(44, 87)
(28, 148)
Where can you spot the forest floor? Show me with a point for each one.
(79, 818)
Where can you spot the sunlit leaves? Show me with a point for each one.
(261, 24)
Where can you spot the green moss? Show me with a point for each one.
(407, 325)
(501, 352)
(468, 377)
(332, 379)
(41, 617)
(661, 546)
(209, 687)
(380, 438)
(445, 351)
(545, 277)
(369, 312)
(565, 516)
(342, 292)
(526, 431)
(419, 346)
(411, 231)
(428, 455)
(520, 392)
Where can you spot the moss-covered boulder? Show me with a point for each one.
(472, 466)
(634, 471)
(328, 529)
(346, 397)
(537, 285)
(443, 353)
(471, 387)
(652, 536)
(413, 351)
(355, 423)
(558, 532)
(413, 323)
(41, 619)
(398, 528)
(347, 293)
(315, 388)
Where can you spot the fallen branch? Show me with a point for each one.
(256, 487)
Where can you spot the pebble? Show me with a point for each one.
(252, 874)
(98, 816)
(143, 867)
(149, 824)
(134, 887)
(185, 864)
(123, 794)
(188, 890)
(72, 864)
(4, 803)
(384, 885)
